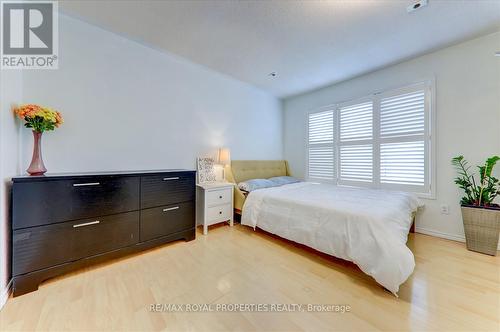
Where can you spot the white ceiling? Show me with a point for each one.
(308, 43)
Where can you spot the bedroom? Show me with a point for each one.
(262, 89)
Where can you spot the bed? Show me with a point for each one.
(368, 227)
(242, 170)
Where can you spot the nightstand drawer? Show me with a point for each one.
(214, 203)
(219, 213)
(219, 197)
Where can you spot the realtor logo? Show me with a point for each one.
(29, 35)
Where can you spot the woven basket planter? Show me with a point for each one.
(482, 227)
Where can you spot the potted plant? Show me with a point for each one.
(480, 215)
(38, 119)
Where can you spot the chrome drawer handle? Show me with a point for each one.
(86, 184)
(170, 209)
(170, 179)
(87, 224)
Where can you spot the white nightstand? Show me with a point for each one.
(214, 204)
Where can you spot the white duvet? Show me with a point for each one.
(365, 226)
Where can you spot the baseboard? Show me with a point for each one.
(5, 294)
(448, 236)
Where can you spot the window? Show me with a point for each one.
(402, 139)
(356, 143)
(321, 160)
(382, 141)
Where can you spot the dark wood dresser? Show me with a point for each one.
(62, 222)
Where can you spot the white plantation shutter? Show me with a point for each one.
(321, 156)
(356, 143)
(382, 142)
(356, 163)
(403, 115)
(321, 127)
(403, 163)
(356, 122)
(321, 163)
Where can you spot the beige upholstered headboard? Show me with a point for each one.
(242, 170)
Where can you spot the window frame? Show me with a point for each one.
(429, 138)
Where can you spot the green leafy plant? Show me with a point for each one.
(478, 194)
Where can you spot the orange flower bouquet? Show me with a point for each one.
(39, 119)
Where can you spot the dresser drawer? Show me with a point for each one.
(165, 220)
(219, 213)
(45, 246)
(47, 202)
(218, 197)
(166, 189)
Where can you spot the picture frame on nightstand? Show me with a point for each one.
(206, 170)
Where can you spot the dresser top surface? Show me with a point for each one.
(62, 176)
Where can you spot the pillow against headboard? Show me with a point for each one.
(282, 180)
(254, 184)
(242, 170)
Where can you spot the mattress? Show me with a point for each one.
(365, 226)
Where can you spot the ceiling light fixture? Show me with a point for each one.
(416, 5)
(273, 74)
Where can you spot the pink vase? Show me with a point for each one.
(37, 167)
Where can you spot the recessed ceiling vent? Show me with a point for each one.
(416, 5)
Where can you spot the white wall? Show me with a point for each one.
(128, 106)
(468, 116)
(10, 96)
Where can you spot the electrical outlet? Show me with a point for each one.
(445, 209)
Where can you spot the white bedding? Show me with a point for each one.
(365, 226)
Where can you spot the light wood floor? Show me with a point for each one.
(451, 289)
